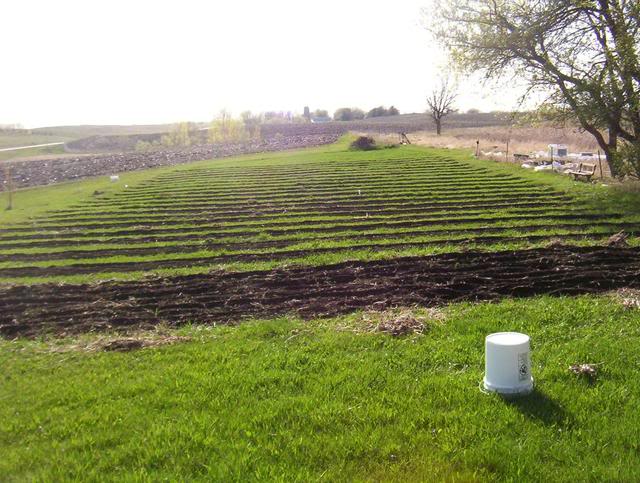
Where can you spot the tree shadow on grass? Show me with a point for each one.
(540, 407)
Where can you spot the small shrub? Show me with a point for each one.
(628, 160)
(363, 143)
(143, 146)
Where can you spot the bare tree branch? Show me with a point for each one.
(440, 102)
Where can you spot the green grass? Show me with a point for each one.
(330, 400)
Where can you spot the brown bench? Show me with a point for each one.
(585, 170)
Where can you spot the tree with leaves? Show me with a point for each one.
(379, 111)
(252, 124)
(582, 55)
(348, 114)
(179, 136)
(225, 129)
(440, 102)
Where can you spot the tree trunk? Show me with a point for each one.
(438, 126)
(611, 151)
(610, 148)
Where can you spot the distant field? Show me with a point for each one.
(124, 138)
(28, 137)
(76, 132)
(19, 139)
(32, 152)
(307, 208)
(42, 135)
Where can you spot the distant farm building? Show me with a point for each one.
(320, 119)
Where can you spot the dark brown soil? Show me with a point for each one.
(223, 297)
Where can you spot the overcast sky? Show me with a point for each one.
(143, 62)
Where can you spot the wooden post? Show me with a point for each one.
(477, 148)
(600, 164)
(506, 155)
(8, 184)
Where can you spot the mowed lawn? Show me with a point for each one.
(309, 207)
(331, 400)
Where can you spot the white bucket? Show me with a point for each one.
(507, 363)
(114, 177)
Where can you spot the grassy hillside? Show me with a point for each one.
(330, 400)
(43, 135)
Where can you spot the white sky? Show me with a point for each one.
(144, 62)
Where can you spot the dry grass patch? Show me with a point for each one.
(116, 342)
(619, 240)
(521, 139)
(493, 140)
(628, 298)
(589, 371)
(395, 322)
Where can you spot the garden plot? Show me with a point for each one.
(299, 210)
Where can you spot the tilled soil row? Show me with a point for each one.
(212, 205)
(346, 186)
(334, 192)
(334, 166)
(357, 209)
(286, 227)
(223, 297)
(318, 179)
(190, 238)
(248, 198)
(83, 268)
(194, 244)
(278, 218)
(327, 170)
(237, 215)
(328, 167)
